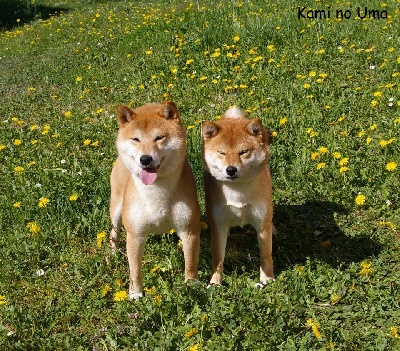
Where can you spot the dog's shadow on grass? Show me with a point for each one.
(304, 231)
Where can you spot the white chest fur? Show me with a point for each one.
(243, 205)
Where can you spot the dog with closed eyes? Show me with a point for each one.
(238, 185)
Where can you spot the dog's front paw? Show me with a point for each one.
(135, 296)
(216, 279)
(266, 276)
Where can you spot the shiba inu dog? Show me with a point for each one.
(152, 186)
(238, 185)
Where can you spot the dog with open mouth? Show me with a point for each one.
(152, 187)
(238, 185)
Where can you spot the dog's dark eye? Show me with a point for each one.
(136, 140)
(160, 137)
(221, 152)
(243, 152)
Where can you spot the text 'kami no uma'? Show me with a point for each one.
(361, 13)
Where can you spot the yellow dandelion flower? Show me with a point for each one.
(190, 333)
(150, 291)
(388, 224)
(344, 161)
(157, 299)
(335, 298)
(174, 70)
(149, 52)
(203, 78)
(360, 199)
(383, 143)
(19, 169)
(323, 150)
(321, 165)
(2, 147)
(67, 114)
(3, 300)
(33, 227)
(95, 144)
(120, 296)
(105, 290)
(78, 79)
(373, 127)
(391, 166)
(73, 197)
(43, 202)
(368, 140)
(300, 269)
(236, 38)
(87, 142)
(394, 331)
(283, 121)
(314, 155)
(17, 205)
(361, 133)
(366, 268)
(312, 74)
(314, 326)
(194, 347)
(155, 269)
(271, 48)
(337, 155)
(100, 238)
(306, 86)
(17, 142)
(343, 169)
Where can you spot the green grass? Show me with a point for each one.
(327, 89)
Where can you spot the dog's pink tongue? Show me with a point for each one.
(148, 175)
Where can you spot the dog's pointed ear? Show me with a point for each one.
(124, 115)
(169, 110)
(209, 129)
(256, 128)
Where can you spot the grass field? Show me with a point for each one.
(328, 89)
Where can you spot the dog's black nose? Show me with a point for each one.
(231, 171)
(145, 160)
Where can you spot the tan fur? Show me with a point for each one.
(238, 185)
(155, 131)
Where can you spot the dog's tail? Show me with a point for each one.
(235, 112)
